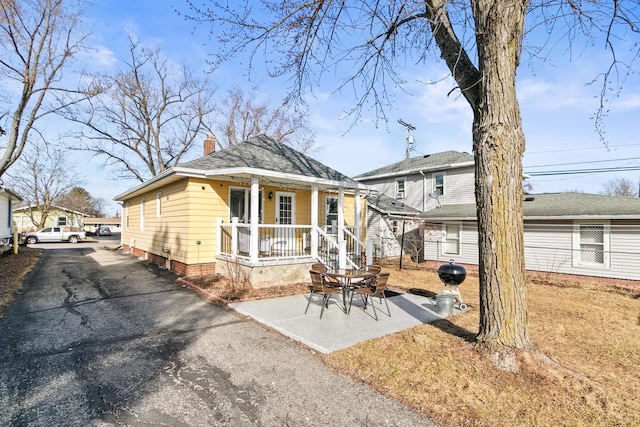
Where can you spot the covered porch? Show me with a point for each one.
(275, 241)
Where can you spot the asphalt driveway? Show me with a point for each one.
(99, 338)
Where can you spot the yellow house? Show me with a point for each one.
(30, 218)
(259, 206)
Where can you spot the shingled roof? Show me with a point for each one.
(259, 156)
(390, 206)
(262, 152)
(554, 206)
(437, 161)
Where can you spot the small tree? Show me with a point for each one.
(41, 177)
(621, 187)
(78, 199)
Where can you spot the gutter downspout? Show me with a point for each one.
(424, 191)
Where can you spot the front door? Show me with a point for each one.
(285, 208)
(284, 242)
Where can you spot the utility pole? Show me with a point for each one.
(410, 140)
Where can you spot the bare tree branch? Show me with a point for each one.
(38, 38)
(148, 118)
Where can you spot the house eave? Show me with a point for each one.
(177, 173)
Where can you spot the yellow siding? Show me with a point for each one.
(189, 210)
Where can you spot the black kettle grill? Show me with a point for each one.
(452, 275)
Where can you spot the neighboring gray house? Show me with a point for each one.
(411, 186)
(572, 233)
(426, 182)
(7, 200)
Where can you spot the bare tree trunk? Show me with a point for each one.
(499, 144)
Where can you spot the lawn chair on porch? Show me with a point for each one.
(375, 288)
(320, 286)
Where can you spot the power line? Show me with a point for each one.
(581, 149)
(581, 171)
(583, 163)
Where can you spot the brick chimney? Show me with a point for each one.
(209, 145)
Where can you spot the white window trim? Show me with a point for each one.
(159, 204)
(247, 202)
(401, 194)
(577, 259)
(444, 238)
(142, 214)
(444, 182)
(326, 208)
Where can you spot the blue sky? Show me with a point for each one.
(556, 104)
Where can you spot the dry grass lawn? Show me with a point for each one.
(591, 330)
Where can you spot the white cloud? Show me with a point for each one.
(101, 56)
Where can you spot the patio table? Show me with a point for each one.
(346, 277)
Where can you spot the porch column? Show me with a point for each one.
(357, 212)
(342, 244)
(254, 219)
(314, 222)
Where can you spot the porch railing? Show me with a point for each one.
(276, 242)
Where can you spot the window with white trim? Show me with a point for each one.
(451, 239)
(158, 204)
(591, 244)
(438, 183)
(240, 205)
(400, 194)
(62, 221)
(330, 210)
(142, 214)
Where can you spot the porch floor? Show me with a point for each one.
(337, 330)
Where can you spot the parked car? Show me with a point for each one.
(53, 234)
(104, 231)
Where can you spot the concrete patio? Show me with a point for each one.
(338, 330)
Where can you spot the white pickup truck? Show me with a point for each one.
(53, 234)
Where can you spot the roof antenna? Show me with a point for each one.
(411, 142)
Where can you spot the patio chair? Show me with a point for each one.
(373, 268)
(320, 286)
(321, 268)
(375, 289)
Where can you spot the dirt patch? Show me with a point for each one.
(227, 291)
(14, 267)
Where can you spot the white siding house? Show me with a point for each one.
(571, 233)
(7, 199)
(426, 182)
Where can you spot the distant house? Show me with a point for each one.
(7, 199)
(260, 206)
(93, 224)
(58, 216)
(572, 233)
(426, 182)
(409, 187)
